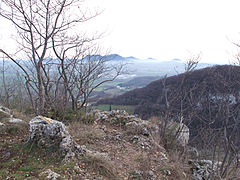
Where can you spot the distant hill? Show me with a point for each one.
(202, 95)
(140, 67)
(139, 81)
(149, 66)
(207, 77)
(152, 66)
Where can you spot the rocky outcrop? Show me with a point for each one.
(175, 131)
(178, 131)
(120, 117)
(115, 117)
(203, 169)
(47, 132)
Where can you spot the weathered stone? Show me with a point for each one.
(179, 131)
(77, 168)
(135, 139)
(145, 132)
(143, 142)
(164, 156)
(50, 174)
(202, 169)
(137, 127)
(47, 132)
(115, 117)
(133, 127)
(143, 175)
(120, 117)
(5, 112)
(136, 174)
(15, 120)
(151, 175)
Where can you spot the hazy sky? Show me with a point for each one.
(165, 29)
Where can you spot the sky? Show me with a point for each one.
(168, 29)
(164, 29)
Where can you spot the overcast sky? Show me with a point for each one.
(165, 29)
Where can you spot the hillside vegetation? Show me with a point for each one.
(206, 100)
(216, 79)
(185, 93)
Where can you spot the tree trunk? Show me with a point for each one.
(40, 93)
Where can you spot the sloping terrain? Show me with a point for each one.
(224, 78)
(120, 154)
(201, 97)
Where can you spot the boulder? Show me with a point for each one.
(179, 131)
(118, 117)
(47, 132)
(202, 169)
(132, 124)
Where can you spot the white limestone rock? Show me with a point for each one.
(47, 132)
(50, 174)
(179, 131)
(15, 120)
(5, 112)
(202, 169)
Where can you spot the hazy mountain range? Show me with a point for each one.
(152, 66)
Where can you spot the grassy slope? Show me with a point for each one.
(19, 160)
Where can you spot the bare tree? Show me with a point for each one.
(6, 87)
(192, 62)
(59, 62)
(37, 23)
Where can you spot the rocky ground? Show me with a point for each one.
(116, 146)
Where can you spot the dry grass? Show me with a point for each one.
(85, 134)
(118, 157)
(101, 164)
